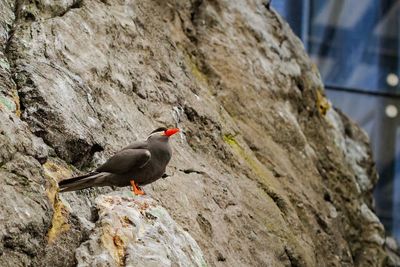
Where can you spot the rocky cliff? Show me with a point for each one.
(265, 172)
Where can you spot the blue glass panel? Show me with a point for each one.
(355, 44)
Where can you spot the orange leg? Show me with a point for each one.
(136, 190)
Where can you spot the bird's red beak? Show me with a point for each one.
(171, 131)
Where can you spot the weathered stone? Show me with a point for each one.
(137, 232)
(264, 173)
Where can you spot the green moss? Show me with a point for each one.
(250, 159)
(230, 140)
(9, 104)
(264, 177)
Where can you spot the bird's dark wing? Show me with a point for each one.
(136, 145)
(125, 161)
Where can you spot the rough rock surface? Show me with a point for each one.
(137, 232)
(263, 174)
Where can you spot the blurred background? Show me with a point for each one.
(355, 44)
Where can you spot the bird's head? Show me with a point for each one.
(162, 133)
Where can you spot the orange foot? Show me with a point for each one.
(136, 190)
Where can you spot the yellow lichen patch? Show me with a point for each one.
(59, 222)
(322, 103)
(114, 244)
(16, 99)
(54, 171)
(57, 169)
(120, 248)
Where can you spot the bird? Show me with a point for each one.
(138, 164)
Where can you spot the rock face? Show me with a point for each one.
(265, 173)
(137, 232)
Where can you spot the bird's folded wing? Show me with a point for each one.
(136, 145)
(125, 161)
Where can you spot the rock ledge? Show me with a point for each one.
(137, 232)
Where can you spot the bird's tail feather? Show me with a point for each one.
(82, 182)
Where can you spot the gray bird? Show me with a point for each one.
(140, 163)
